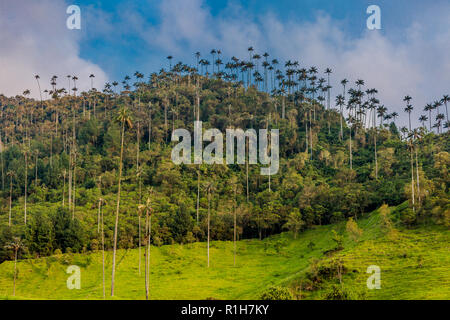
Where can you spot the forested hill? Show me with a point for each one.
(62, 158)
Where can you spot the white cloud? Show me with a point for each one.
(414, 61)
(35, 40)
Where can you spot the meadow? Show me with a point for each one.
(414, 265)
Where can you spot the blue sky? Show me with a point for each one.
(408, 56)
(396, 17)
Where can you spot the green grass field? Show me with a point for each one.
(414, 265)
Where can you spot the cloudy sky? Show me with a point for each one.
(410, 55)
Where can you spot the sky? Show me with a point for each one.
(410, 55)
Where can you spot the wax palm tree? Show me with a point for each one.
(423, 119)
(11, 175)
(101, 203)
(36, 155)
(39, 87)
(328, 72)
(428, 108)
(409, 108)
(92, 76)
(235, 185)
(147, 207)
(416, 136)
(26, 152)
(394, 116)
(440, 119)
(170, 62)
(16, 245)
(445, 100)
(340, 103)
(210, 188)
(124, 119)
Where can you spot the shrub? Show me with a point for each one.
(340, 292)
(277, 293)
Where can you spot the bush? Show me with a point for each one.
(339, 292)
(277, 293)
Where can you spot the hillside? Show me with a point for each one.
(414, 265)
(85, 171)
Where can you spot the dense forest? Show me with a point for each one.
(83, 171)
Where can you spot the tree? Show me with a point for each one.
(210, 188)
(10, 174)
(445, 100)
(235, 185)
(16, 245)
(409, 108)
(147, 207)
(25, 151)
(353, 230)
(294, 222)
(124, 119)
(101, 203)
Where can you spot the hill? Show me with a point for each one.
(414, 265)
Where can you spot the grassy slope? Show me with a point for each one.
(179, 271)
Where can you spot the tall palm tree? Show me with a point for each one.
(423, 119)
(147, 207)
(416, 136)
(445, 100)
(340, 103)
(124, 119)
(409, 108)
(428, 108)
(394, 116)
(26, 152)
(101, 203)
(170, 62)
(36, 155)
(411, 147)
(328, 72)
(10, 174)
(39, 87)
(16, 245)
(209, 186)
(234, 183)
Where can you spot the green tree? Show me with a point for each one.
(124, 119)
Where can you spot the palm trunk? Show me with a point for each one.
(350, 148)
(70, 182)
(234, 231)
(117, 211)
(10, 201)
(64, 187)
(15, 271)
(376, 159)
(150, 126)
(412, 180)
(198, 192)
(36, 172)
(74, 184)
(98, 217)
(209, 217)
(139, 244)
(246, 169)
(103, 254)
(417, 177)
(26, 187)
